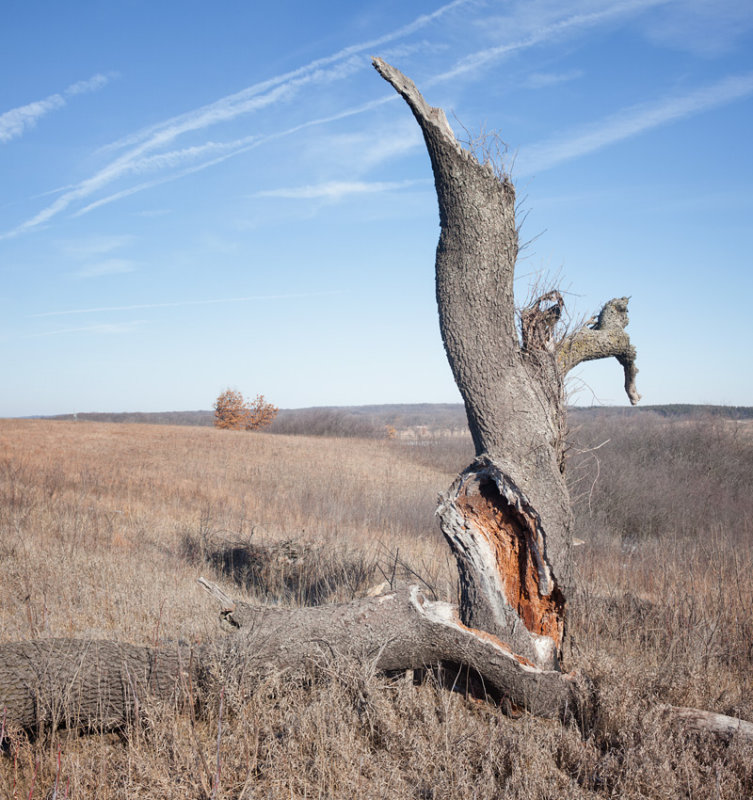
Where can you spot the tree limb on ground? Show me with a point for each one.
(102, 684)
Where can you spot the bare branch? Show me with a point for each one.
(603, 338)
(228, 604)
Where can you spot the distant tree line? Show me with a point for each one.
(371, 421)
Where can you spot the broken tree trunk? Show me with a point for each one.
(507, 517)
(101, 684)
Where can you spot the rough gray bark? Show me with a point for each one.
(101, 684)
(507, 518)
(51, 683)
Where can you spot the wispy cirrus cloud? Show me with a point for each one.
(103, 329)
(136, 160)
(94, 255)
(631, 122)
(337, 190)
(152, 151)
(353, 154)
(543, 80)
(15, 122)
(91, 85)
(153, 213)
(101, 269)
(533, 29)
(91, 246)
(233, 105)
(125, 166)
(185, 303)
(709, 28)
(254, 98)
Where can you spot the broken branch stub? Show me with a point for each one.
(606, 337)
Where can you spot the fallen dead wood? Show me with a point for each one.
(85, 683)
(709, 722)
(101, 684)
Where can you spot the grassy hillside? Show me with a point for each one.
(104, 529)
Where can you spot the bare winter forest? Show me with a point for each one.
(105, 528)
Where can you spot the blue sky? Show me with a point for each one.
(200, 195)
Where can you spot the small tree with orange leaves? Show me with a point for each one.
(260, 414)
(232, 412)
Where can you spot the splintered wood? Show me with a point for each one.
(516, 553)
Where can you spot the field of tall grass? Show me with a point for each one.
(104, 529)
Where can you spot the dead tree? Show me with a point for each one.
(507, 517)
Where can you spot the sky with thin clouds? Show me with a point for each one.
(198, 196)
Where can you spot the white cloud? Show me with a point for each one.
(232, 105)
(134, 159)
(528, 24)
(110, 266)
(91, 246)
(92, 85)
(176, 158)
(15, 122)
(337, 190)
(370, 155)
(354, 154)
(543, 80)
(158, 181)
(184, 303)
(539, 23)
(631, 122)
(704, 27)
(104, 329)
(253, 98)
(154, 213)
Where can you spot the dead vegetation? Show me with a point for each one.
(105, 528)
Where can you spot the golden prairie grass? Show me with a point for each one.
(94, 523)
(94, 515)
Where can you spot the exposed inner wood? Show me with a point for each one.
(517, 559)
(488, 637)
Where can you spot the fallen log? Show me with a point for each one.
(709, 722)
(102, 684)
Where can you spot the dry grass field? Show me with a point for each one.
(104, 529)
